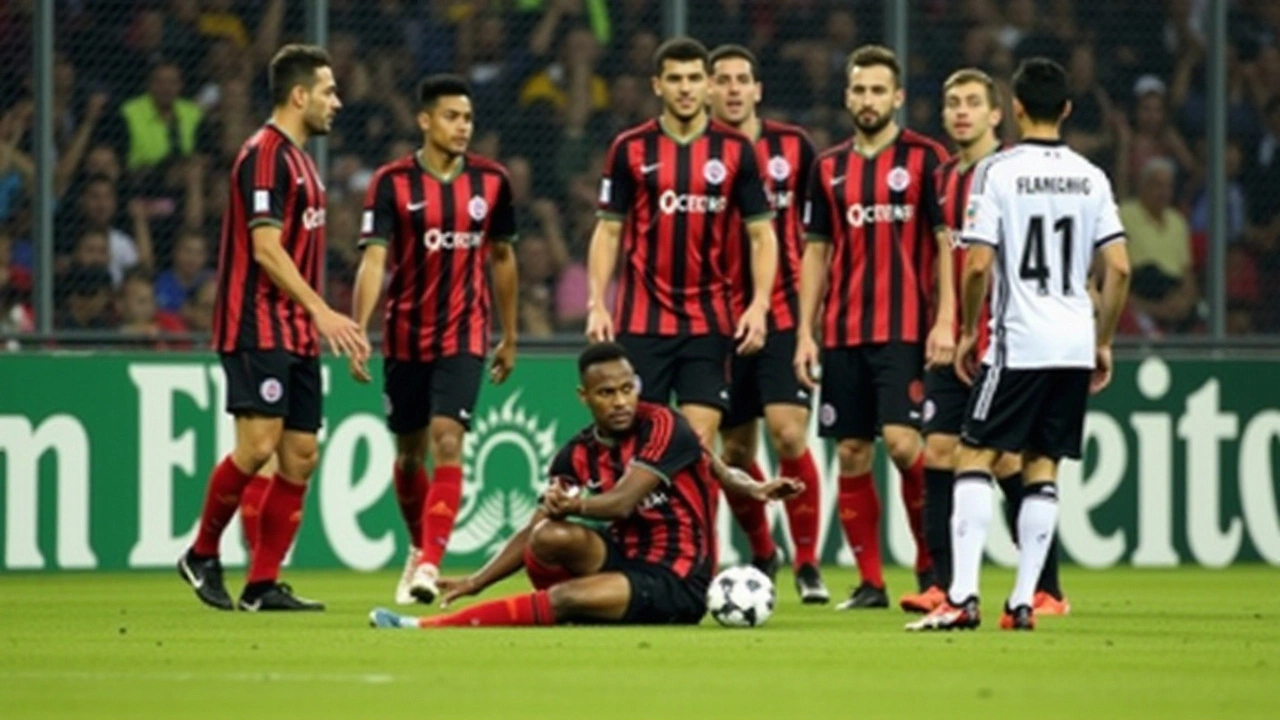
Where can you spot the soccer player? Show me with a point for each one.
(1038, 213)
(444, 216)
(670, 186)
(637, 465)
(764, 384)
(267, 317)
(875, 232)
(970, 114)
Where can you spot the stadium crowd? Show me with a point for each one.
(152, 99)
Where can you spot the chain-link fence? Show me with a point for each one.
(151, 101)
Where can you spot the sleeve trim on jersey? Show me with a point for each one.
(652, 469)
(761, 216)
(610, 215)
(1113, 237)
(258, 222)
(817, 237)
(980, 240)
(940, 228)
(509, 239)
(372, 241)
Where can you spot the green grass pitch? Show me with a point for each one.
(1185, 643)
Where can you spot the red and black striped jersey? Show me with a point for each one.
(676, 200)
(785, 155)
(880, 213)
(672, 527)
(954, 181)
(273, 182)
(438, 232)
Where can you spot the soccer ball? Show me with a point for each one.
(741, 596)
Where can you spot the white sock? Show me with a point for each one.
(969, 523)
(1036, 521)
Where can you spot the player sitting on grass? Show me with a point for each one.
(639, 466)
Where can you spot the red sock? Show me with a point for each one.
(439, 512)
(531, 609)
(411, 491)
(913, 500)
(804, 510)
(751, 518)
(860, 516)
(221, 498)
(277, 527)
(543, 576)
(251, 508)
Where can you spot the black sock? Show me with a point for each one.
(938, 502)
(1012, 488)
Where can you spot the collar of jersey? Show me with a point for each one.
(853, 146)
(683, 141)
(417, 159)
(282, 131)
(1046, 143)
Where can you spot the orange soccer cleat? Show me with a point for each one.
(1046, 604)
(925, 602)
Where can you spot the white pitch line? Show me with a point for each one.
(356, 678)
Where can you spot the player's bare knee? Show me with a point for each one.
(735, 453)
(446, 443)
(854, 457)
(789, 439)
(552, 541)
(1007, 465)
(257, 451)
(940, 451)
(299, 459)
(903, 445)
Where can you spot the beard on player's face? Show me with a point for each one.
(871, 122)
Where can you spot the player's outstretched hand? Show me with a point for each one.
(1101, 370)
(940, 347)
(779, 488)
(966, 358)
(751, 330)
(599, 325)
(343, 333)
(452, 588)
(359, 368)
(806, 360)
(504, 361)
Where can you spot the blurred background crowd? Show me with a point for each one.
(152, 99)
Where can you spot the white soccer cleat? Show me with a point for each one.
(423, 586)
(384, 619)
(404, 596)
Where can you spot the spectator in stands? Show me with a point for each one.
(1198, 194)
(492, 66)
(17, 171)
(190, 268)
(86, 298)
(137, 312)
(158, 123)
(1090, 128)
(572, 72)
(198, 310)
(98, 207)
(537, 286)
(1151, 136)
(1164, 293)
(15, 292)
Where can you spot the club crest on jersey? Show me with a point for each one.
(898, 179)
(271, 390)
(714, 171)
(779, 168)
(478, 208)
(827, 414)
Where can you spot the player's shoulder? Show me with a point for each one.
(656, 415)
(911, 138)
(636, 132)
(997, 163)
(399, 166)
(482, 164)
(727, 132)
(948, 166)
(835, 151)
(777, 128)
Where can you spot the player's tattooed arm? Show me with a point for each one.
(737, 482)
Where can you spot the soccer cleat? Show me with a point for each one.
(423, 586)
(810, 586)
(386, 620)
(769, 566)
(204, 575)
(403, 595)
(924, 580)
(946, 616)
(925, 602)
(1046, 604)
(865, 596)
(275, 596)
(1019, 618)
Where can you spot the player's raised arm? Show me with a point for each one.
(502, 261)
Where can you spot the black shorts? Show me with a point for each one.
(945, 399)
(867, 387)
(765, 378)
(658, 596)
(695, 367)
(275, 383)
(414, 392)
(1028, 410)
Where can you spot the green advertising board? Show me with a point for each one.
(103, 460)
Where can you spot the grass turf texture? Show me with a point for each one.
(1184, 643)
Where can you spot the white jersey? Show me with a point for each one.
(1046, 210)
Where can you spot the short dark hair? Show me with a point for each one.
(1041, 85)
(680, 49)
(295, 65)
(871, 55)
(731, 51)
(434, 87)
(599, 353)
(968, 75)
